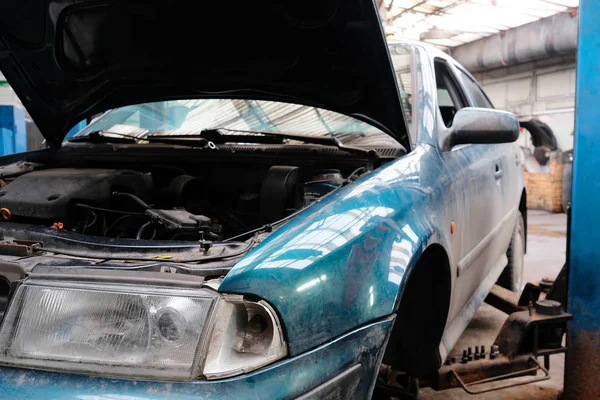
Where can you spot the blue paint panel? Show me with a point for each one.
(285, 380)
(583, 358)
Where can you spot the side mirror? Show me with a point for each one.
(482, 126)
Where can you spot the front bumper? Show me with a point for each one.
(343, 368)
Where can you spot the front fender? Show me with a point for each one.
(342, 262)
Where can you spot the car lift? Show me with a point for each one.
(537, 321)
(582, 366)
(534, 328)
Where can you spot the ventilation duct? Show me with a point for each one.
(543, 39)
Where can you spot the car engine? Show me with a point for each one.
(162, 203)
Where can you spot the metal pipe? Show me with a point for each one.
(548, 112)
(539, 40)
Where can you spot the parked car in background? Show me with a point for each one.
(266, 220)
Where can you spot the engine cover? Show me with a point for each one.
(49, 194)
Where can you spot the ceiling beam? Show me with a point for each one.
(401, 13)
(389, 7)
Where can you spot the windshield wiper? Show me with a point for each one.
(183, 140)
(215, 136)
(104, 137)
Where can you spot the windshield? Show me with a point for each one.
(191, 117)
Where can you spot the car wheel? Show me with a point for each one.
(512, 276)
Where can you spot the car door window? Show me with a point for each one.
(472, 87)
(450, 96)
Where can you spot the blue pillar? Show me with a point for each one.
(20, 130)
(7, 137)
(582, 373)
(13, 132)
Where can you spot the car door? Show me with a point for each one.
(508, 160)
(475, 171)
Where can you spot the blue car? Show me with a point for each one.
(271, 217)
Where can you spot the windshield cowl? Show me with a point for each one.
(52, 241)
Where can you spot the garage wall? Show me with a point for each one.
(545, 91)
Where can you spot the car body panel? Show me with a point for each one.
(286, 379)
(473, 171)
(345, 260)
(341, 262)
(70, 60)
(490, 204)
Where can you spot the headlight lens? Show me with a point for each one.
(104, 330)
(246, 336)
(137, 331)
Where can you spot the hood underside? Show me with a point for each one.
(68, 60)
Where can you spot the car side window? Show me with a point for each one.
(450, 97)
(474, 90)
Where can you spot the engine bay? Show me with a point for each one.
(163, 202)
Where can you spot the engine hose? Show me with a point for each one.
(115, 223)
(133, 197)
(355, 172)
(140, 231)
(108, 210)
(269, 227)
(86, 226)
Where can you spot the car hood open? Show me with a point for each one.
(68, 60)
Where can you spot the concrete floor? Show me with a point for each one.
(546, 252)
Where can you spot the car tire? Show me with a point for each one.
(512, 276)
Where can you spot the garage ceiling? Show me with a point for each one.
(450, 23)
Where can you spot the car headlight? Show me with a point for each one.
(246, 336)
(120, 329)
